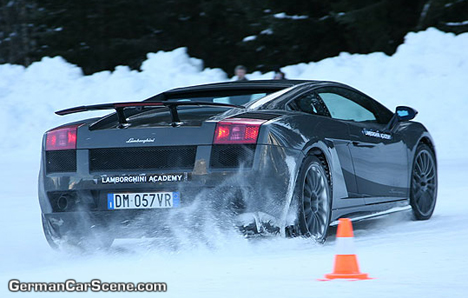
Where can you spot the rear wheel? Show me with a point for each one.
(314, 199)
(423, 193)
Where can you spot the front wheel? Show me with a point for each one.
(423, 193)
(313, 196)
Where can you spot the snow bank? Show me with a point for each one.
(428, 72)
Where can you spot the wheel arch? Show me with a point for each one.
(427, 141)
(325, 151)
(320, 154)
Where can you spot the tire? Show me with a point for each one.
(313, 197)
(423, 192)
(79, 241)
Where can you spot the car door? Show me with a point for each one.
(379, 157)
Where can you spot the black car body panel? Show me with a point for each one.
(369, 164)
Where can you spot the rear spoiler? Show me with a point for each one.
(120, 107)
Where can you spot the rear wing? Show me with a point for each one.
(120, 107)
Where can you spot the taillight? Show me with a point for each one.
(63, 138)
(237, 131)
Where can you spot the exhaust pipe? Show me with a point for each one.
(62, 203)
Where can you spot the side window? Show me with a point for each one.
(310, 104)
(305, 104)
(343, 108)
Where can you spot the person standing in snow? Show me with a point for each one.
(240, 72)
(279, 75)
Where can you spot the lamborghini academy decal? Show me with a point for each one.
(144, 178)
(376, 134)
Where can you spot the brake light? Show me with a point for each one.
(238, 131)
(63, 138)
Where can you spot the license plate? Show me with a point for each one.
(147, 200)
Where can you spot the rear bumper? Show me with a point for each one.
(222, 194)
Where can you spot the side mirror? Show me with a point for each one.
(403, 113)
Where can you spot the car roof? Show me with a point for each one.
(238, 87)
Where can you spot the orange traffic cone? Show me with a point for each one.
(346, 264)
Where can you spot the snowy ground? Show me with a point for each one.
(407, 258)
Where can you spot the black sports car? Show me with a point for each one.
(287, 157)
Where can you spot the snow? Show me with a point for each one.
(268, 31)
(464, 23)
(249, 38)
(407, 258)
(283, 15)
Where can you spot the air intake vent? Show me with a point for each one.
(232, 156)
(147, 158)
(60, 161)
(261, 116)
